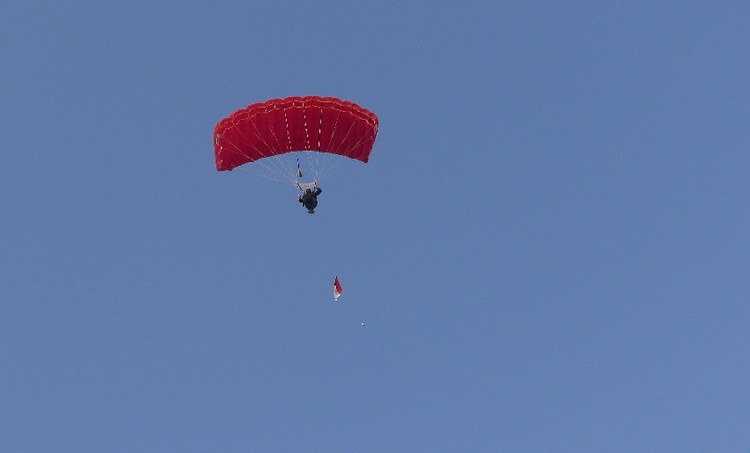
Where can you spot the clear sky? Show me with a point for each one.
(549, 246)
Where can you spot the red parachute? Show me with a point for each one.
(310, 124)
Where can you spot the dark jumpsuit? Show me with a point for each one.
(310, 199)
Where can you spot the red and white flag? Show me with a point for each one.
(337, 289)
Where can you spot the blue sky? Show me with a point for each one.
(549, 246)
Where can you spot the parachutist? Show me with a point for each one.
(310, 199)
(362, 324)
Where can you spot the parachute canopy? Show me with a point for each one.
(280, 126)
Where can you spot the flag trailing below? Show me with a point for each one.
(337, 289)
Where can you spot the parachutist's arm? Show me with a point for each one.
(318, 190)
